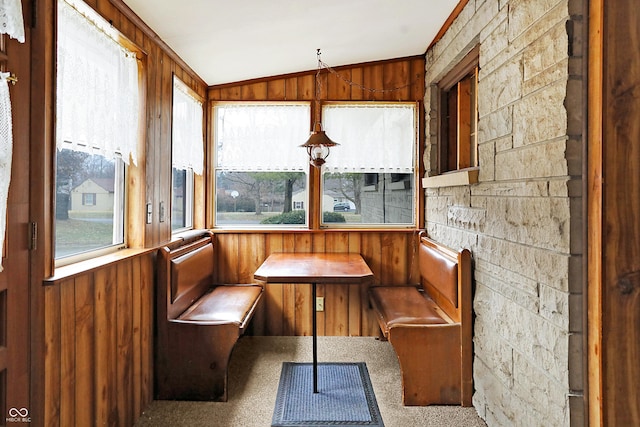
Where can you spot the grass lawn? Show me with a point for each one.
(74, 235)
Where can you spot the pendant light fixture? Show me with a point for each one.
(318, 145)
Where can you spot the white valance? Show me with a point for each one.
(11, 21)
(372, 137)
(187, 140)
(262, 137)
(6, 155)
(97, 82)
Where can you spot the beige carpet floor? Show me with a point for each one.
(254, 374)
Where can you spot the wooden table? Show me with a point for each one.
(314, 268)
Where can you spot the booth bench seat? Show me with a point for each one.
(198, 322)
(429, 326)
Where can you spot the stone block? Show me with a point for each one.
(529, 19)
(500, 88)
(494, 125)
(541, 223)
(533, 161)
(466, 217)
(486, 161)
(540, 116)
(554, 306)
(546, 52)
(541, 265)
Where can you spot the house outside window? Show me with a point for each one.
(96, 133)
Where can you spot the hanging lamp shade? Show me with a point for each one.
(318, 145)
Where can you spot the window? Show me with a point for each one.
(370, 178)
(89, 199)
(260, 170)
(96, 133)
(187, 154)
(459, 116)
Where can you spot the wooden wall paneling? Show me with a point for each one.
(338, 87)
(337, 295)
(107, 10)
(290, 89)
(273, 298)
(67, 357)
(152, 133)
(252, 249)
(124, 343)
(164, 180)
(233, 93)
(83, 305)
(136, 329)
(147, 303)
(417, 76)
(105, 334)
(255, 91)
(276, 90)
(357, 75)
(356, 293)
(319, 245)
(396, 76)
(306, 87)
(371, 251)
(289, 292)
(621, 210)
(302, 307)
(227, 252)
(373, 79)
(52, 368)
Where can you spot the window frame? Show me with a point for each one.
(372, 179)
(125, 191)
(307, 171)
(189, 196)
(314, 214)
(453, 83)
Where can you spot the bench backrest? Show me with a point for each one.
(185, 273)
(446, 276)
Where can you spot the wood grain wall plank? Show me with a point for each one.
(83, 305)
(67, 357)
(147, 325)
(137, 326)
(52, 365)
(105, 346)
(124, 342)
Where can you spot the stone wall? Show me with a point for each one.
(523, 220)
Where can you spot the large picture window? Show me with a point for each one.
(260, 170)
(96, 133)
(369, 179)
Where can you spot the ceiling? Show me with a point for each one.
(227, 41)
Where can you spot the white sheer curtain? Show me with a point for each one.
(97, 99)
(187, 142)
(263, 137)
(372, 137)
(11, 21)
(6, 155)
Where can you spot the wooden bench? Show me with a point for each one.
(429, 326)
(198, 323)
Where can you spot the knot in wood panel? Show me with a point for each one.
(629, 282)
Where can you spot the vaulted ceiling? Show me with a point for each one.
(227, 41)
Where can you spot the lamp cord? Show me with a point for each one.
(358, 85)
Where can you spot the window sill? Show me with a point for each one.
(87, 266)
(452, 179)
